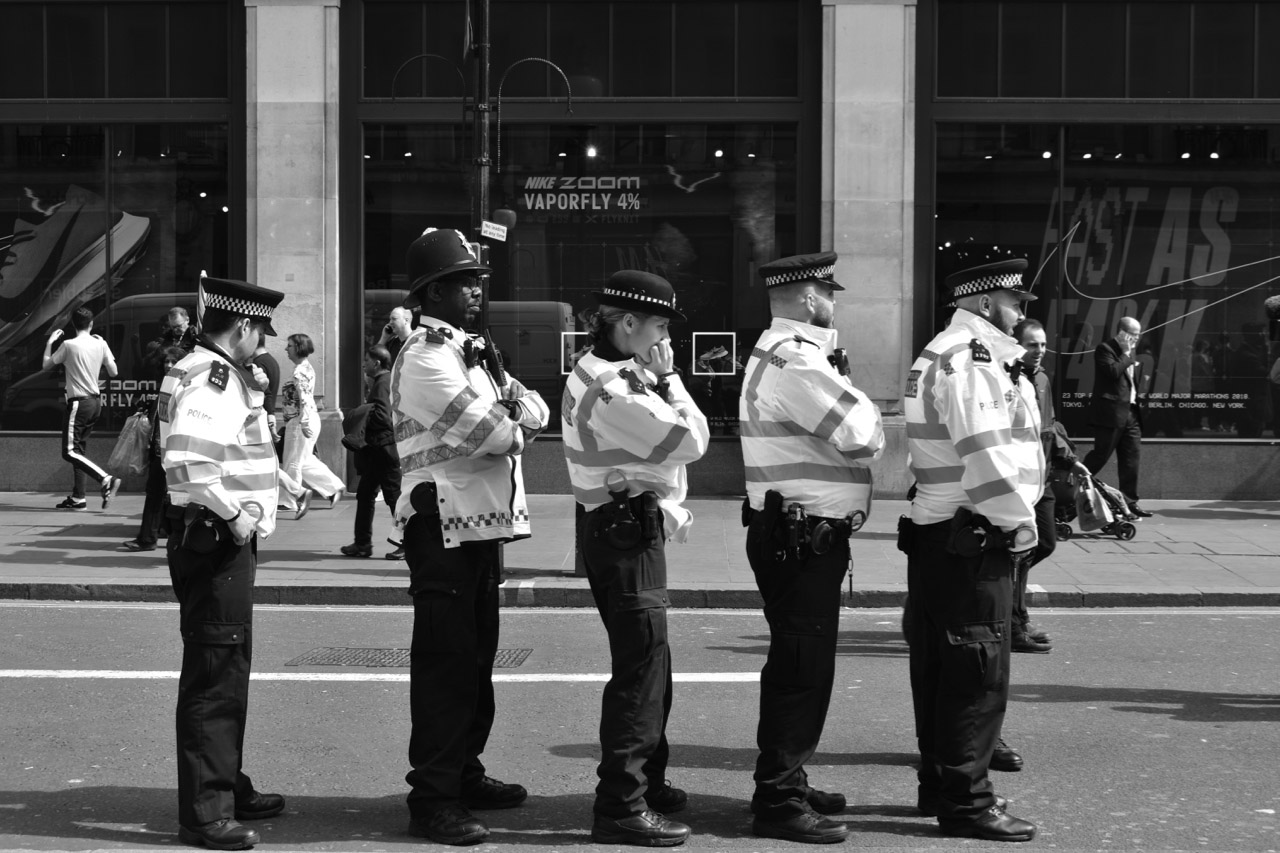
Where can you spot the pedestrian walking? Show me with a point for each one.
(377, 462)
(973, 438)
(268, 364)
(153, 505)
(807, 436)
(461, 424)
(630, 428)
(301, 469)
(1114, 412)
(221, 470)
(83, 357)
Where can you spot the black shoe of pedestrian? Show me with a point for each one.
(665, 798)
(71, 503)
(259, 806)
(806, 827)
(1024, 643)
(135, 545)
(647, 829)
(492, 794)
(109, 489)
(1005, 758)
(354, 550)
(450, 825)
(225, 834)
(995, 824)
(928, 804)
(1138, 512)
(398, 553)
(824, 803)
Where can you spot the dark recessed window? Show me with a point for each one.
(1268, 59)
(1159, 50)
(22, 58)
(1095, 48)
(198, 73)
(580, 46)
(1222, 53)
(641, 50)
(518, 30)
(704, 49)
(76, 50)
(136, 61)
(768, 49)
(1031, 50)
(967, 49)
(392, 38)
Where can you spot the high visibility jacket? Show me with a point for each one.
(616, 420)
(451, 430)
(806, 431)
(973, 436)
(217, 449)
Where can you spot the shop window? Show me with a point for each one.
(137, 73)
(77, 50)
(1169, 224)
(768, 49)
(580, 46)
(968, 54)
(198, 73)
(23, 28)
(518, 30)
(1223, 50)
(118, 218)
(1031, 50)
(1160, 50)
(704, 49)
(1268, 60)
(702, 204)
(1095, 50)
(641, 41)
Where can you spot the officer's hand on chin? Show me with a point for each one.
(659, 359)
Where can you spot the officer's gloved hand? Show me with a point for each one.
(1022, 546)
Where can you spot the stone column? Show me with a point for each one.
(292, 182)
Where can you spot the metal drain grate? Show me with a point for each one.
(504, 659)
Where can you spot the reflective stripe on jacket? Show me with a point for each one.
(806, 431)
(973, 438)
(615, 420)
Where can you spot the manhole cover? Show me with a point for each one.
(504, 659)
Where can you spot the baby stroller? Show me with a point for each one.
(1091, 503)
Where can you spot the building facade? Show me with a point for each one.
(303, 144)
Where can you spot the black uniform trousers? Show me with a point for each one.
(215, 600)
(1126, 442)
(802, 607)
(630, 590)
(958, 633)
(455, 637)
(1047, 541)
(379, 468)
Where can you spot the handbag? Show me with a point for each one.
(1092, 511)
(130, 456)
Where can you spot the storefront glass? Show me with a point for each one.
(700, 204)
(120, 218)
(1172, 225)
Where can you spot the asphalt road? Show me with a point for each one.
(1144, 730)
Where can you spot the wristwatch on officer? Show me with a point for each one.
(1023, 538)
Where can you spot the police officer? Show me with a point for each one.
(220, 465)
(461, 424)
(630, 428)
(973, 435)
(807, 435)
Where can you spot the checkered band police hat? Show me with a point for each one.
(240, 298)
(820, 267)
(1002, 275)
(643, 292)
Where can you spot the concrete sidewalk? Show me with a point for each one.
(1192, 553)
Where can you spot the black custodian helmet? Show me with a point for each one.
(437, 253)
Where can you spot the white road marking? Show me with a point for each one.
(506, 678)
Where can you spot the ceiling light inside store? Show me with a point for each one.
(1186, 155)
(561, 154)
(591, 151)
(1118, 156)
(1213, 156)
(204, 195)
(1088, 156)
(987, 157)
(408, 153)
(226, 209)
(1046, 155)
(719, 152)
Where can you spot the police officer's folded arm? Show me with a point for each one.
(971, 402)
(651, 430)
(821, 402)
(453, 412)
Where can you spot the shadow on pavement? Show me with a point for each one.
(1185, 705)
(734, 759)
(884, 643)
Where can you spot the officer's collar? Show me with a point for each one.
(1004, 348)
(824, 338)
(605, 350)
(451, 331)
(245, 374)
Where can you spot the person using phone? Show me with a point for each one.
(1114, 412)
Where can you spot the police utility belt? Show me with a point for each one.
(969, 535)
(795, 533)
(630, 520)
(203, 530)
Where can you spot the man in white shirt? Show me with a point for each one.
(83, 357)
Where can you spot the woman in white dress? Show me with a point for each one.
(301, 469)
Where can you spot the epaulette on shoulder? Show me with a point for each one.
(432, 335)
(978, 352)
(800, 339)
